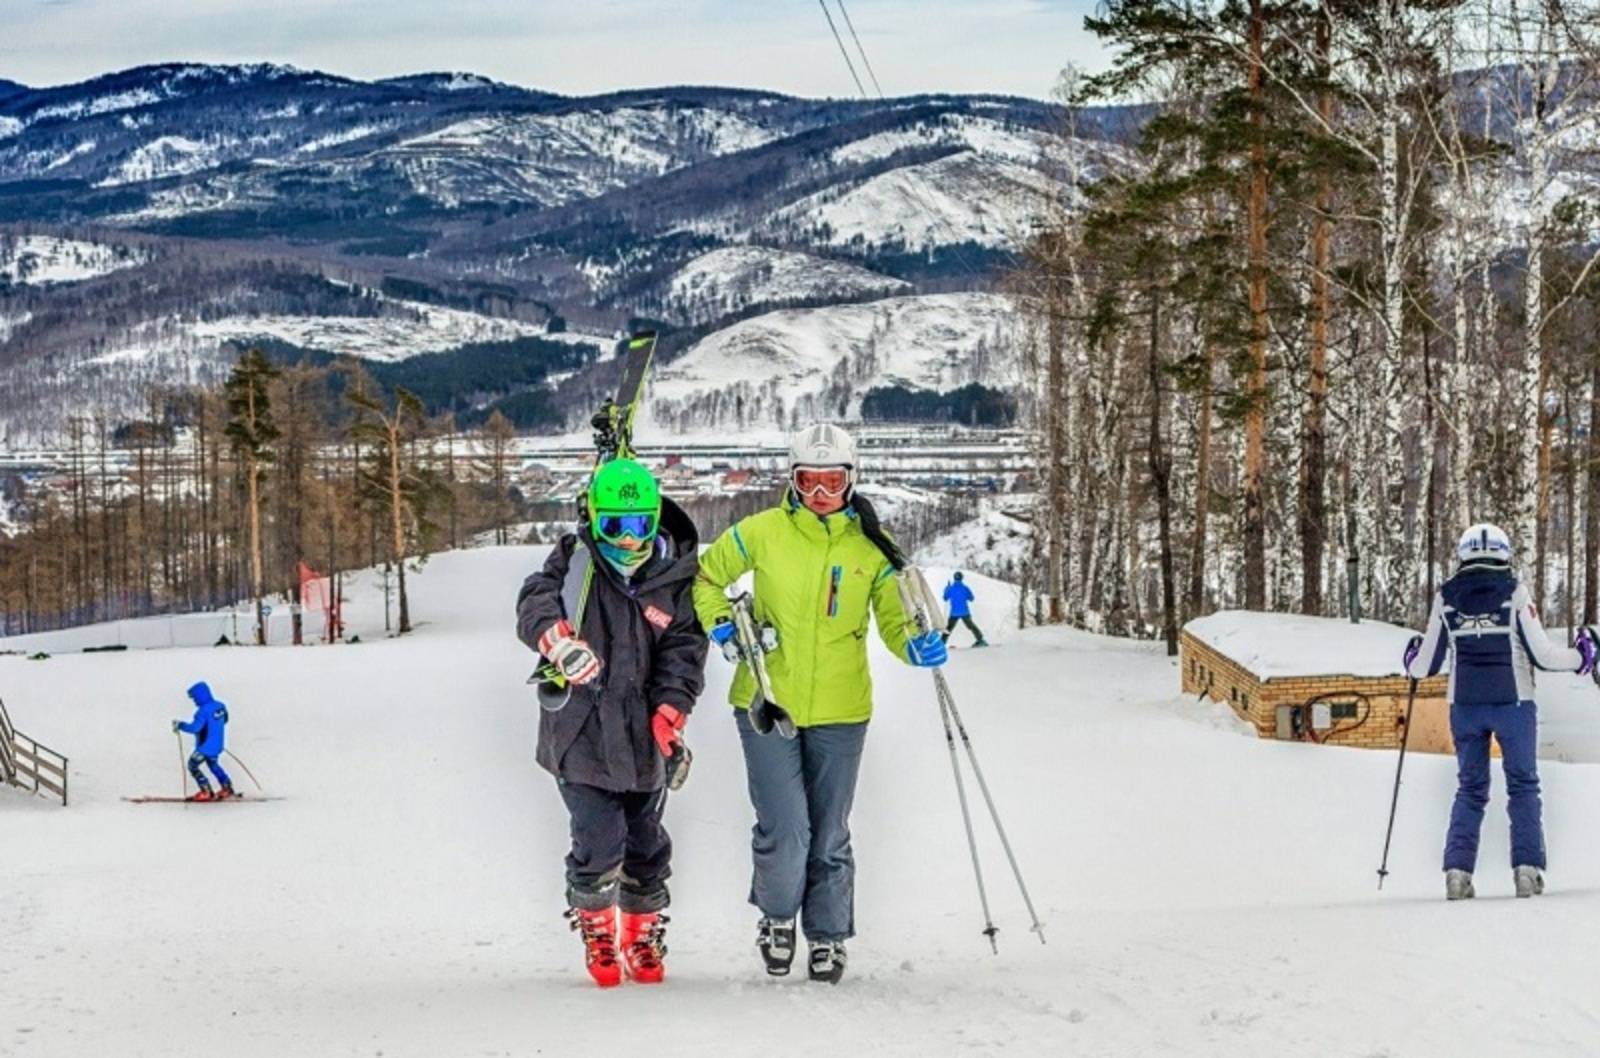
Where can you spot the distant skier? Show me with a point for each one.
(959, 596)
(636, 663)
(209, 728)
(1487, 620)
(822, 570)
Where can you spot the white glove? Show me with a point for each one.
(573, 656)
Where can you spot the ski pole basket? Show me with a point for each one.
(26, 764)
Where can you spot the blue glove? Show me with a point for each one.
(927, 651)
(1586, 647)
(1413, 648)
(722, 636)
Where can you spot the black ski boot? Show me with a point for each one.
(775, 939)
(827, 961)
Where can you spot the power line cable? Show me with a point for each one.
(910, 181)
(859, 49)
(842, 49)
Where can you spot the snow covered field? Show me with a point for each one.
(1204, 893)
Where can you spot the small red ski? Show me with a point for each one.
(154, 799)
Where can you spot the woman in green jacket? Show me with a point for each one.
(822, 568)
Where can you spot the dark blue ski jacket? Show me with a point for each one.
(209, 726)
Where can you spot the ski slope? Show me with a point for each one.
(1203, 892)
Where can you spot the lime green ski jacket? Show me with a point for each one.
(817, 580)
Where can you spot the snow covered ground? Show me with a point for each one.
(1203, 892)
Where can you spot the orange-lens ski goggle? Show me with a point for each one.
(826, 481)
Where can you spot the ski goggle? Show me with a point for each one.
(614, 527)
(821, 481)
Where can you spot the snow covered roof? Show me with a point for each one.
(1279, 645)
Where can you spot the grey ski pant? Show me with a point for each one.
(802, 789)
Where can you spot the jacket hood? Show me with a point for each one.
(201, 693)
(1479, 589)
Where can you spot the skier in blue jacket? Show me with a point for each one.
(1487, 619)
(959, 596)
(209, 728)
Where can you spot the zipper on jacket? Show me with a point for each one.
(833, 591)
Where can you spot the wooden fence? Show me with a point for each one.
(26, 764)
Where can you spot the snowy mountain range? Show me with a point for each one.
(160, 218)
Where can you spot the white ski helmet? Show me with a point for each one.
(823, 445)
(1484, 543)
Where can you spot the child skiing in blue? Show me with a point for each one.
(209, 728)
(959, 596)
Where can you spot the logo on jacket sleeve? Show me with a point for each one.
(659, 618)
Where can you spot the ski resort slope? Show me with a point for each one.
(1203, 892)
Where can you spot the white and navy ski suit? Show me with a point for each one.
(1487, 620)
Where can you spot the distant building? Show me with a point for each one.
(1313, 679)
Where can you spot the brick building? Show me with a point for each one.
(1313, 679)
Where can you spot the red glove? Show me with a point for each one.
(665, 725)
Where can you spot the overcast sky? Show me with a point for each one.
(575, 47)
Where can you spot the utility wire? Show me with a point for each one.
(910, 183)
(859, 49)
(842, 49)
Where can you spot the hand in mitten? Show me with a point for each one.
(722, 634)
(573, 656)
(1413, 648)
(927, 651)
(666, 724)
(1587, 649)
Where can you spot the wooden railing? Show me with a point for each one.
(26, 764)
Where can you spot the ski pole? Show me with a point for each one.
(1394, 801)
(245, 766)
(183, 774)
(989, 928)
(918, 595)
(994, 813)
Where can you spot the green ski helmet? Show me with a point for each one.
(624, 500)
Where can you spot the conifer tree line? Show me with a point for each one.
(1338, 302)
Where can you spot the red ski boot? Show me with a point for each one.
(644, 945)
(599, 932)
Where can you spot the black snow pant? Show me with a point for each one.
(966, 620)
(621, 854)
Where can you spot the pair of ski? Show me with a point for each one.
(156, 799)
(613, 439)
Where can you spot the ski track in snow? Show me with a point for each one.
(1202, 892)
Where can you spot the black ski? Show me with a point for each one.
(613, 439)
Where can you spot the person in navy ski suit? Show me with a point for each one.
(959, 596)
(1487, 620)
(209, 728)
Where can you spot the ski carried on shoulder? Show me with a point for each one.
(755, 641)
(157, 799)
(613, 439)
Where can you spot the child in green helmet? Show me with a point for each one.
(613, 610)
